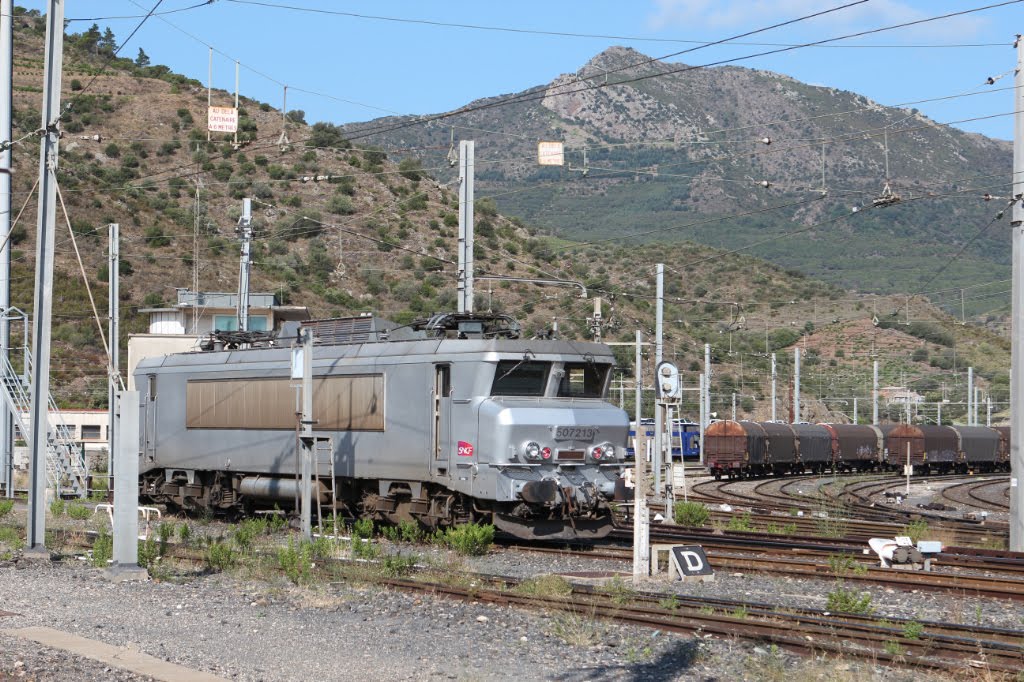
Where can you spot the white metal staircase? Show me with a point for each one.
(66, 467)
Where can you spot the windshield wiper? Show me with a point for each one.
(526, 356)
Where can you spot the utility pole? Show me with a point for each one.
(638, 379)
(236, 104)
(734, 405)
(308, 444)
(774, 417)
(855, 410)
(43, 308)
(113, 333)
(659, 417)
(970, 395)
(703, 414)
(1017, 300)
(6, 133)
(641, 521)
(988, 411)
(796, 385)
(977, 394)
(874, 394)
(938, 416)
(467, 166)
(209, 90)
(707, 384)
(244, 230)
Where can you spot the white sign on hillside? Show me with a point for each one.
(551, 153)
(222, 119)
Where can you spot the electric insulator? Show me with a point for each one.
(766, 140)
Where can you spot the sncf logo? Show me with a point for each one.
(465, 449)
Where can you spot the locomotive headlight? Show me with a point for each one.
(604, 451)
(531, 450)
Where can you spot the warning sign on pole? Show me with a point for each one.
(551, 153)
(222, 119)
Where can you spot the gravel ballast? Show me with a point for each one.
(247, 629)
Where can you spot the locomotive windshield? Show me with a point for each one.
(518, 377)
(583, 380)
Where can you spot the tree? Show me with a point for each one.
(108, 43)
(90, 38)
(143, 59)
(296, 116)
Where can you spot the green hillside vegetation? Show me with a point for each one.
(680, 157)
(379, 234)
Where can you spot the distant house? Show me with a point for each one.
(899, 395)
(180, 328)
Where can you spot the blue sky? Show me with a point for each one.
(366, 68)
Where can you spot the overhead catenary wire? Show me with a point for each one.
(567, 34)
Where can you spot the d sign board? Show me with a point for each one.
(692, 563)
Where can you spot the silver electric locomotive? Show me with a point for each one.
(451, 420)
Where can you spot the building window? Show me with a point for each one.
(92, 431)
(229, 323)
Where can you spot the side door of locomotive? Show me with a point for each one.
(149, 419)
(441, 401)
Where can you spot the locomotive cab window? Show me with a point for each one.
(583, 380)
(519, 378)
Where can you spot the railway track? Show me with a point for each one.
(959, 572)
(931, 645)
(928, 645)
(996, 495)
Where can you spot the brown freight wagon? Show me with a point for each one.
(1003, 458)
(780, 454)
(941, 447)
(901, 439)
(856, 447)
(734, 448)
(814, 446)
(979, 448)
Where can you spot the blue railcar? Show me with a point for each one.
(685, 439)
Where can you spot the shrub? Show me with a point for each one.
(916, 530)
(218, 556)
(410, 169)
(296, 560)
(79, 512)
(156, 237)
(470, 539)
(57, 507)
(341, 205)
(184, 533)
(112, 150)
(102, 549)
(912, 629)
(5, 507)
(247, 531)
(405, 531)
(398, 565)
(848, 601)
(691, 514)
(740, 523)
